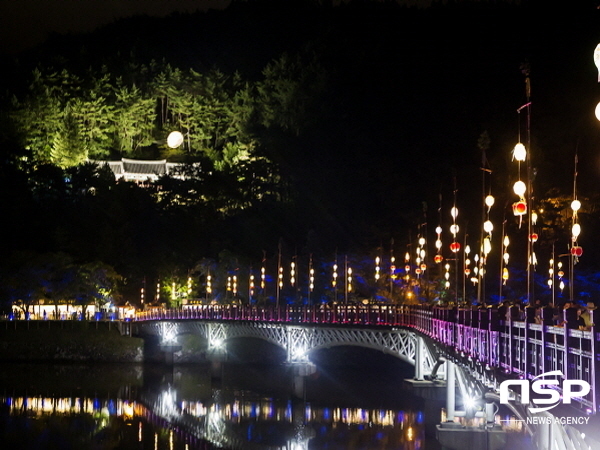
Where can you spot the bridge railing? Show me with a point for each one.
(487, 336)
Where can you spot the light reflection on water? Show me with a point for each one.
(194, 407)
(191, 407)
(171, 424)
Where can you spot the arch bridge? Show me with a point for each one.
(472, 349)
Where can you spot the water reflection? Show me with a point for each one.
(198, 407)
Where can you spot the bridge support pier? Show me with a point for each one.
(216, 357)
(169, 350)
(300, 371)
(454, 435)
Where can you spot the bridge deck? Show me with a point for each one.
(518, 348)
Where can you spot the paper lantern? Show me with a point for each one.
(519, 188)
(455, 247)
(519, 152)
(519, 208)
(533, 237)
(576, 251)
(438, 259)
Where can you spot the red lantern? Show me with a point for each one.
(576, 251)
(519, 208)
(467, 271)
(407, 268)
(455, 247)
(533, 237)
(423, 266)
(438, 259)
(418, 271)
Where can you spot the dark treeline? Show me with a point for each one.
(326, 128)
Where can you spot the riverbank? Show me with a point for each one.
(67, 341)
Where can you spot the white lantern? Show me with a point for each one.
(575, 205)
(454, 229)
(597, 111)
(576, 230)
(454, 212)
(519, 188)
(489, 201)
(487, 246)
(175, 139)
(519, 152)
(438, 230)
(488, 226)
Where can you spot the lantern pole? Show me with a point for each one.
(530, 287)
(575, 230)
(464, 266)
(455, 244)
(553, 276)
(503, 258)
(279, 275)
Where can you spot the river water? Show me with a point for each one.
(358, 403)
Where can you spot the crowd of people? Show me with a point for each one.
(569, 314)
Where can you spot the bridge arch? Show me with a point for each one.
(299, 340)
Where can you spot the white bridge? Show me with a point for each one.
(470, 351)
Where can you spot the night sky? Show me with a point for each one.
(421, 96)
(24, 23)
